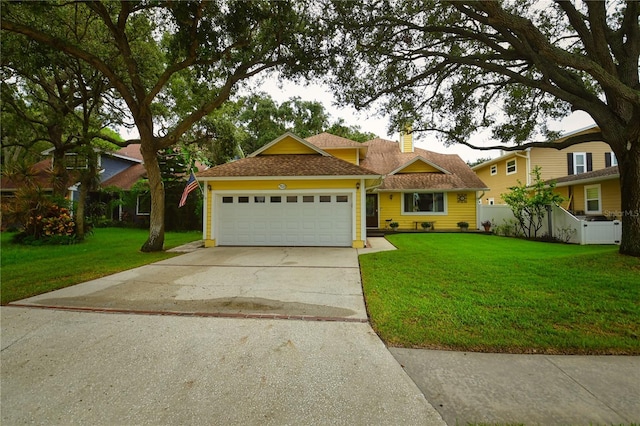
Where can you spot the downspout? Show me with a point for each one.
(527, 157)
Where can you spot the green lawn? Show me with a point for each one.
(29, 270)
(486, 293)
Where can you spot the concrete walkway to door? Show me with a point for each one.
(169, 343)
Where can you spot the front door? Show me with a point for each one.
(372, 211)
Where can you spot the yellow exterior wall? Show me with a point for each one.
(609, 194)
(501, 182)
(288, 145)
(350, 155)
(291, 185)
(406, 141)
(390, 206)
(419, 167)
(554, 162)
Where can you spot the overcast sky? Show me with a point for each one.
(368, 122)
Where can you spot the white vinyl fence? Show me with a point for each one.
(563, 224)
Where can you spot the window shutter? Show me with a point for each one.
(589, 162)
(569, 163)
(607, 159)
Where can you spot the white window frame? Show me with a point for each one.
(599, 199)
(575, 162)
(138, 213)
(515, 166)
(444, 202)
(494, 169)
(614, 159)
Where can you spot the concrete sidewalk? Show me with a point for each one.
(467, 387)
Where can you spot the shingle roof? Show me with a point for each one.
(40, 174)
(384, 156)
(126, 178)
(327, 140)
(609, 172)
(286, 165)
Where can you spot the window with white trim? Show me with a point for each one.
(494, 169)
(424, 202)
(143, 204)
(579, 162)
(614, 159)
(592, 199)
(511, 167)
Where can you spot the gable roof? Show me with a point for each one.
(384, 157)
(421, 160)
(287, 137)
(286, 165)
(126, 178)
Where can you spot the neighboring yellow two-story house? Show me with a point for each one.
(327, 191)
(563, 165)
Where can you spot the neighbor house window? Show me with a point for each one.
(424, 202)
(610, 159)
(592, 201)
(511, 167)
(579, 162)
(143, 204)
(75, 161)
(494, 170)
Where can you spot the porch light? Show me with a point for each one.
(358, 185)
(209, 187)
(391, 196)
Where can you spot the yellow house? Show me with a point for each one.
(327, 190)
(595, 193)
(504, 172)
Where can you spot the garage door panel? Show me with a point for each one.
(293, 219)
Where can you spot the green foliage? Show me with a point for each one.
(529, 203)
(108, 251)
(478, 292)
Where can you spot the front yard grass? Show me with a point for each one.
(485, 293)
(31, 270)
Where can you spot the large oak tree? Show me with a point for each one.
(456, 67)
(147, 49)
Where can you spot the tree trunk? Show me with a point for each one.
(60, 175)
(79, 219)
(630, 194)
(156, 188)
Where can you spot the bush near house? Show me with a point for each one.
(480, 292)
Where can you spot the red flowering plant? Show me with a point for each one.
(42, 220)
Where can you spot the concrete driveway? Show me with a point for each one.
(218, 336)
(305, 282)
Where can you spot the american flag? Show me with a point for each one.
(192, 184)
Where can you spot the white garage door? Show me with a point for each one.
(284, 220)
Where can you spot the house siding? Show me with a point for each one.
(288, 146)
(390, 207)
(350, 155)
(501, 182)
(609, 195)
(553, 163)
